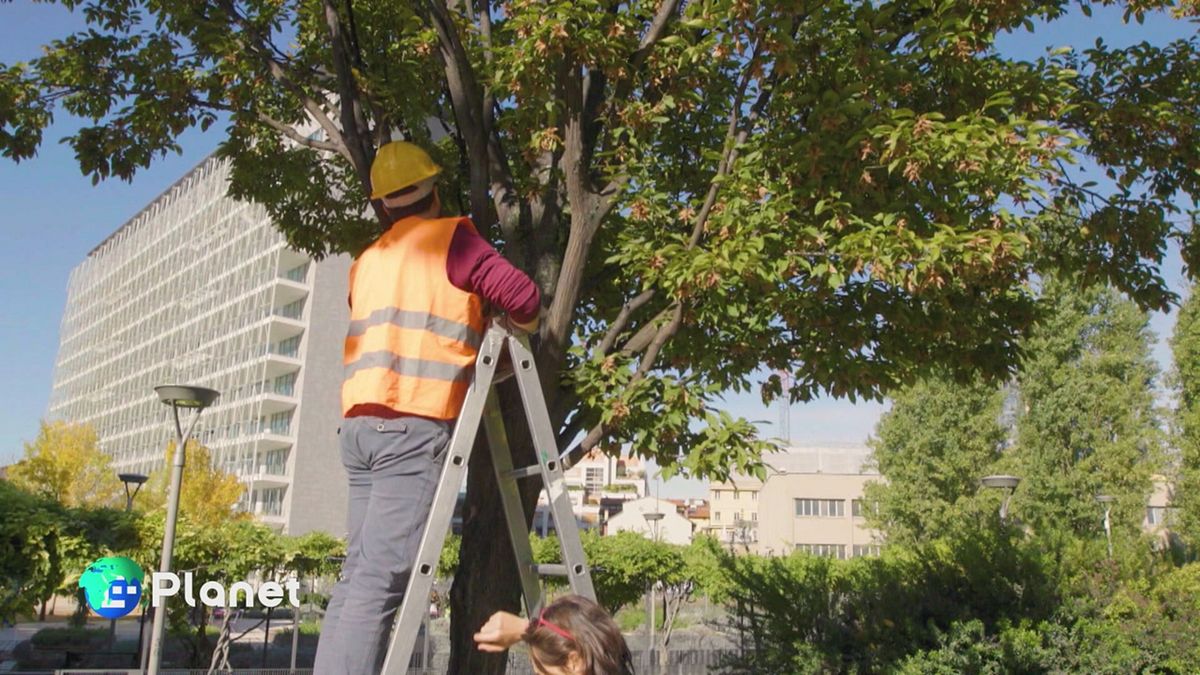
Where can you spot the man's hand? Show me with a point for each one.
(501, 631)
(509, 323)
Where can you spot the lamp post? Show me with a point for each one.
(138, 480)
(1107, 501)
(1007, 483)
(176, 396)
(132, 479)
(652, 519)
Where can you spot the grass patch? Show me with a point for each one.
(308, 630)
(74, 638)
(630, 618)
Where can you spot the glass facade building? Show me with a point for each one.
(201, 289)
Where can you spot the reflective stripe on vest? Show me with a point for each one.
(419, 320)
(413, 336)
(429, 370)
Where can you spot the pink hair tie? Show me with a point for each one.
(557, 629)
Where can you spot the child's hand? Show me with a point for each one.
(501, 631)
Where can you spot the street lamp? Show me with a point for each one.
(138, 480)
(132, 479)
(652, 519)
(1007, 483)
(176, 396)
(1107, 501)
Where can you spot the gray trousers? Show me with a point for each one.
(393, 467)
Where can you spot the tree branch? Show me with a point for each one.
(280, 74)
(354, 122)
(658, 27)
(290, 132)
(467, 102)
(618, 324)
(652, 337)
(656, 31)
(665, 333)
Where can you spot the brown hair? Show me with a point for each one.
(594, 636)
(419, 206)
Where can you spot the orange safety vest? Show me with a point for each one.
(413, 335)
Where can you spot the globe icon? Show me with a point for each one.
(112, 586)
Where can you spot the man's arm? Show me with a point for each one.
(474, 266)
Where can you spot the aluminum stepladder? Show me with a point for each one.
(482, 404)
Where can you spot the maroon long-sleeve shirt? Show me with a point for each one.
(475, 267)
(472, 265)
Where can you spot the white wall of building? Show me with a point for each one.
(672, 528)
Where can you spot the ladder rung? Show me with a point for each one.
(525, 472)
(559, 570)
(534, 469)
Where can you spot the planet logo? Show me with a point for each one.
(113, 586)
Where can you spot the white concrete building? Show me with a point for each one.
(810, 501)
(672, 527)
(200, 289)
(597, 485)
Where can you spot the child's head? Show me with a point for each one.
(575, 636)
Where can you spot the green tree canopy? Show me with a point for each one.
(64, 463)
(848, 191)
(932, 447)
(44, 545)
(1087, 424)
(1077, 421)
(1185, 345)
(209, 494)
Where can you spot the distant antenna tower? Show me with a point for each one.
(785, 407)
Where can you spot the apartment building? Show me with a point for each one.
(201, 289)
(653, 518)
(597, 484)
(815, 500)
(733, 510)
(811, 500)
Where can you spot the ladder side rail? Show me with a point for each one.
(415, 603)
(546, 449)
(514, 512)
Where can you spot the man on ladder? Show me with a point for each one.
(417, 317)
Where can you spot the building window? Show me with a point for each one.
(275, 463)
(861, 550)
(754, 496)
(271, 502)
(297, 273)
(286, 384)
(292, 310)
(821, 508)
(859, 508)
(735, 494)
(754, 516)
(1160, 515)
(593, 478)
(717, 516)
(289, 347)
(824, 550)
(281, 423)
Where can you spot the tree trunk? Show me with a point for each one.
(487, 579)
(267, 637)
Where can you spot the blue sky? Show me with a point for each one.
(52, 216)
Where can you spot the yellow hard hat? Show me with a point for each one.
(398, 165)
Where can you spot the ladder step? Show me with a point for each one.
(533, 469)
(559, 570)
(524, 472)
